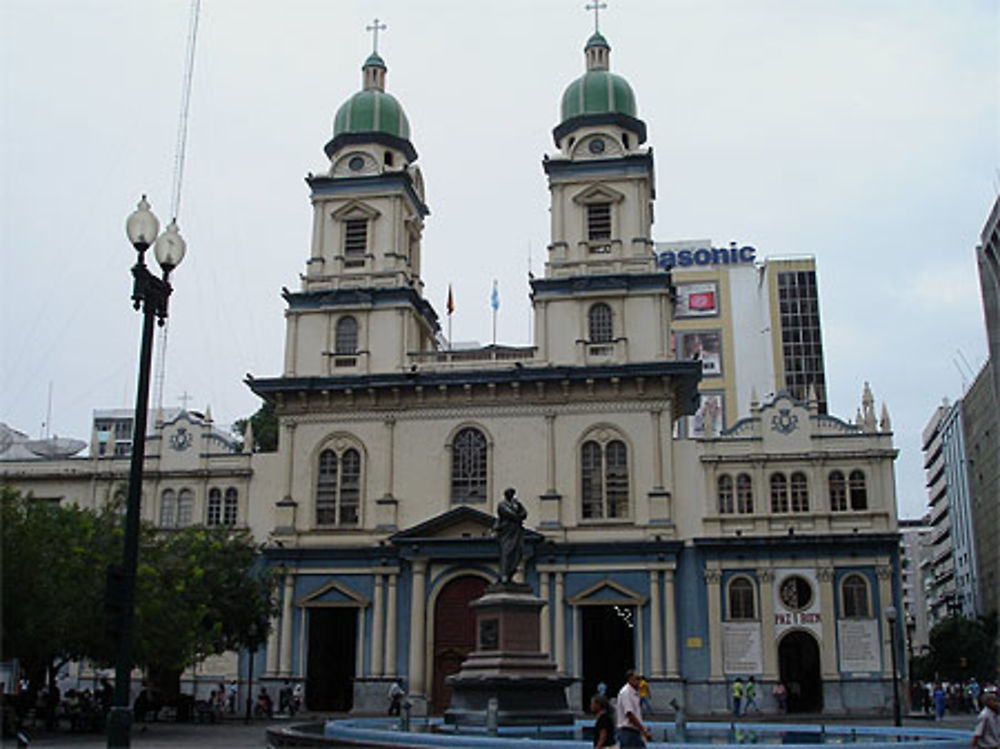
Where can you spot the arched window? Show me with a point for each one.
(859, 492)
(600, 324)
(338, 487)
(346, 342)
(468, 466)
(725, 494)
(214, 507)
(838, 491)
(604, 479)
(185, 507)
(168, 508)
(800, 493)
(854, 592)
(779, 493)
(744, 494)
(230, 509)
(741, 599)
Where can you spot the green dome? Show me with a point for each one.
(372, 111)
(598, 92)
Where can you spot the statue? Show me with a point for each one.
(510, 534)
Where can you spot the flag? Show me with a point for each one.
(450, 306)
(495, 297)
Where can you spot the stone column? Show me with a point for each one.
(273, 644)
(765, 585)
(285, 664)
(655, 625)
(289, 449)
(418, 621)
(828, 647)
(550, 454)
(390, 627)
(560, 621)
(377, 644)
(712, 580)
(390, 457)
(670, 627)
(545, 616)
(657, 419)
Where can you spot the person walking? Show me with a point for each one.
(604, 727)
(940, 699)
(628, 714)
(395, 698)
(737, 696)
(644, 695)
(750, 696)
(780, 694)
(987, 732)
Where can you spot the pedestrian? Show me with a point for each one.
(644, 694)
(628, 714)
(602, 689)
(298, 692)
(604, 727)
(750, 696)
(987, 732)
(737, 695)
(973, 692)
(780, 694)
(395, 698)
(232, 694)
(940, 697)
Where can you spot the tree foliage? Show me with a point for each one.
(265, 428)
(199, 590)
(960, 648)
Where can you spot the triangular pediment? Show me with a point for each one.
(458, 523)
(333, 594)
(607, 592)
(355, 209)
(598, 194)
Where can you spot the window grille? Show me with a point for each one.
(468, 466)
(214, 507)
(346, 338)
(741, 599)
(779, 493)
(800, 493)
(855, 596)
(168, 509)
(600, 323)
(744, 494)
(604, 480)
(726, 494)
(231, 507)
(838, 491)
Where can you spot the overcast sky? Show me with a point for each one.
(864, 132)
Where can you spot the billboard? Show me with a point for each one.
(709, 419)
(697, 300)
(704, 346)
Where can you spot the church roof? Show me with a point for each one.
(598, 92)
(372, 111)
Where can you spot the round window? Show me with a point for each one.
(796, 593)
(596, 145)
(356, 164)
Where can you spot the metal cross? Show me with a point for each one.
(375, 28)
(184, 398)
(597, 7)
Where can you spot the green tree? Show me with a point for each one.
(265, 428)
(54, 559)
(961, 648)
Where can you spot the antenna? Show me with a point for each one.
(961, 374)
(175, 198)
(972, 372)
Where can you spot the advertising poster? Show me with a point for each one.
(704, 346)
(741, 648)
(709, 419)
(857, 641)
(697, 300)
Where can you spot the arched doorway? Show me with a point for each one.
(798, 661)
(454, 633)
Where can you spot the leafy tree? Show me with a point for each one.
(199, 590)
(961, 648)
(265, 428)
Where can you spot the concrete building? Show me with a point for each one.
(915, 551)
(753, 322)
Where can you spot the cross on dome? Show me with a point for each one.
(597, 7)
(375, 28)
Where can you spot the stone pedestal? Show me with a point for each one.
(508, 665)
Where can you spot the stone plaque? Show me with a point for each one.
(489, 634)
(858, 641)
(741, 646)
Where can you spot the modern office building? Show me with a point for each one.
(915, 550)
(753, 322)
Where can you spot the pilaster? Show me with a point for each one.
(713, 578)
(418, 628)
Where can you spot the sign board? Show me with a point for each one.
(697, 300)
(741, 648)
(858, 645)
(796, 602)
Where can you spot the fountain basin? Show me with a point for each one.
(433, 732)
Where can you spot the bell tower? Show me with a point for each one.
(602, 299)
(361, 307)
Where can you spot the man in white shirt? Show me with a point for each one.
(987, 733)
(628, 714)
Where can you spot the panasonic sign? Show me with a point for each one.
(706, 256)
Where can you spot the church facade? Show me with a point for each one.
(767, 550)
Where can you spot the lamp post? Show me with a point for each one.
(890, 617)
(151, 294)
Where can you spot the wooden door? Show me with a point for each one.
(454, 633)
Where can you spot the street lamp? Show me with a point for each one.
(151, 294)
(890, 617)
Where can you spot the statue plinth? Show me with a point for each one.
(508, 665)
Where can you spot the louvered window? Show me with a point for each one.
(355, 241)
(598, 221)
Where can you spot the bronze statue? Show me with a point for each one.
(510, 533)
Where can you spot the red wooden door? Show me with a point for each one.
(454, 632)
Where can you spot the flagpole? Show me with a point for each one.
(495, 305)
(450, 306)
